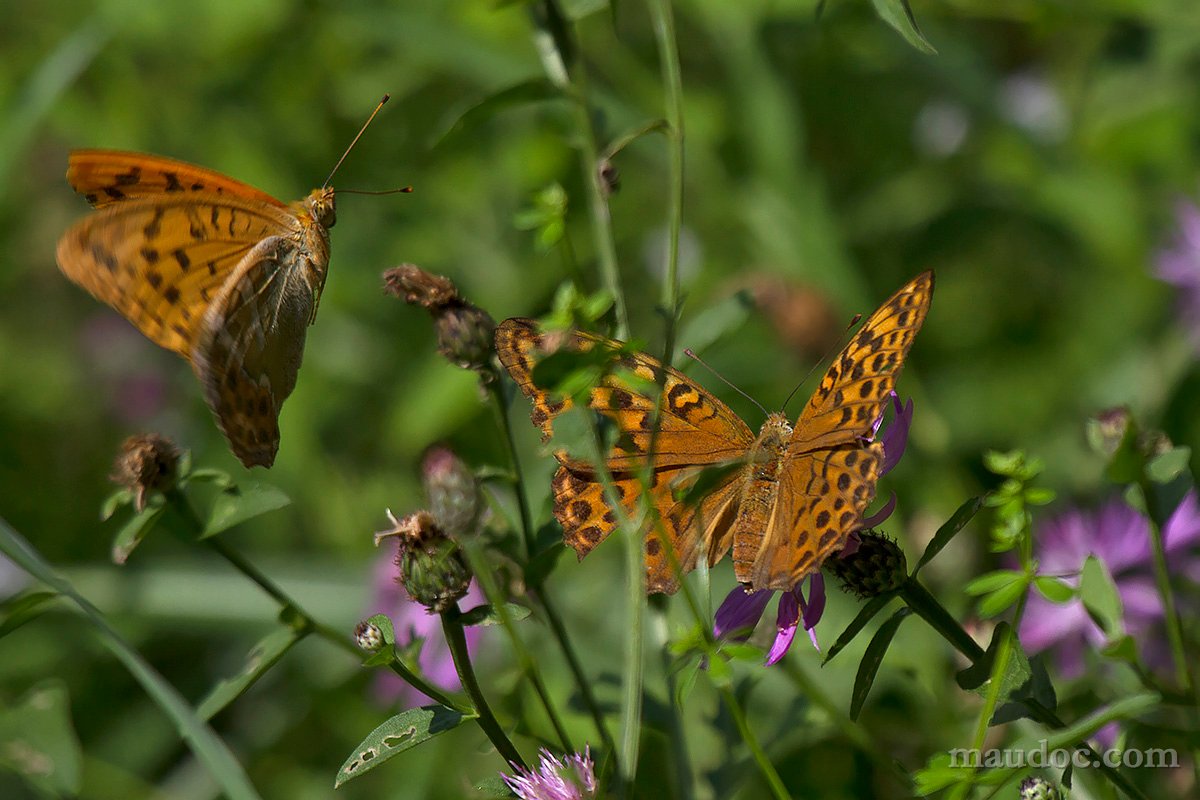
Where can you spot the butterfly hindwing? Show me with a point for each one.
(105, 177)
(250, 346)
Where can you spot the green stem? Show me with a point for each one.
(491, 591)
(557, 627)
(457, 640)
(239, 562)
(668, 54)
(930, 610)
(555, 49)
(1162, 580)
(760, 756)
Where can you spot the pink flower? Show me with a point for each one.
(568, 778)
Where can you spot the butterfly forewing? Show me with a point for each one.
(853, 390)
(105, 177)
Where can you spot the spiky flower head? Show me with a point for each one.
(147, 463)
(368, 636)
(432, 568)
(876, 566)
(1039, 789)
(454, 498)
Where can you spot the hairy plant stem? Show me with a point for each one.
(456, 638)
(774, 782)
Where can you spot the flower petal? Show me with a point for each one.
(895, 438)
(739, 613)
(877, 518)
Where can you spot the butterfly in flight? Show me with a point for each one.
(785, 500)
(210, 268)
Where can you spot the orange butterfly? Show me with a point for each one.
(793, 494)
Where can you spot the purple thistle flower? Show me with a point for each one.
(1120, 537)
(411, 620)
(739, 613)
(569, 778)
(1179, 265)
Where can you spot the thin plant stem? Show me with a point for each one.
(183, 507)
(557, 628)
(668, 55)
(456, 639)
(491, 591)
(774, 782)
(555, 47)
(1162, 581)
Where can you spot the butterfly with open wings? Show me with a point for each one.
(792, 494)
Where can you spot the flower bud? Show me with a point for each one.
(452, 490)
(147, 463)
(610, 177)
(464, 331)
(368, 637)
(432, 568)
(1039, 789)
(875, 567)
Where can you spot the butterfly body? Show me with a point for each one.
(795, 492)
(213, 269)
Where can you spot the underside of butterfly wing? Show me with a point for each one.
(251, 344)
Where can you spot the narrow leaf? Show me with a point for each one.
(487, 614)
(873, 658)
(1055, 590)
(1100, 596)
(136, 529)
(466, 116)
(402, 732)
(873, 607)
(17, 610)
(260, 659)
(948, 531)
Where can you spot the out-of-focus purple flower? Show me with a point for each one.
(122, 360)
(569, 778)
(1120, 537)
(410, 621)
(739, 613)
(1179, 265)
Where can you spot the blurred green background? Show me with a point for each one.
(1033, 163)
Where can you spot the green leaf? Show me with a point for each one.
(1168, 466)
(873, 658)
(237, 504)
(1123, 648)
(1002, 599)
(493, 786)
(402, 732)
(737, 651)
(899, 15)
(1055, 590)
(114, 501)
(1037, 496)
(1100, 597)
(713, 324)
(465, 116)
(208, 475)
(1038, 688)
(720, 673)
(991, 581)
(208, 748)
(38, 742)
(938, 773)
(1128, 462)
(137, 528)
(686, 682)
(1125, 708)
(948, 531)
(486, 614)
(21, 608)
(384, 623)
(872, 607)
(261, 658)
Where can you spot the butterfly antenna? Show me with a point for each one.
(401, 190)
(690, 354)
(386, 97)
(840, 343)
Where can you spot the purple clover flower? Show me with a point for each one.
(1179, 265)
(740, 611)
(569, 778)
(1120, 537)
(411, 620)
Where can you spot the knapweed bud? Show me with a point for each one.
(432, 568)
(147, 463)
(1106, 430)
(452, 490)
(368, 637)
(876, 566)
(464, 331)
(1039, 789)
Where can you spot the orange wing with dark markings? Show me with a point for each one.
(105, 177)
